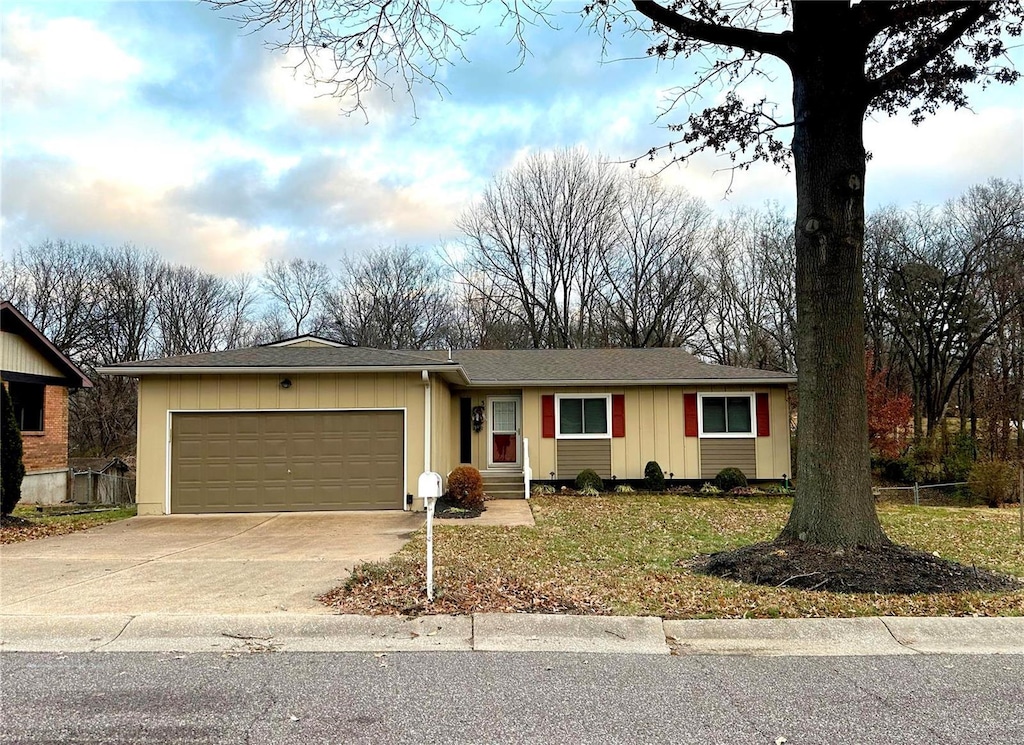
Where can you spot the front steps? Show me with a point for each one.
(504, 485)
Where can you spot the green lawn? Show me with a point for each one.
(628, 555)
(30, 523)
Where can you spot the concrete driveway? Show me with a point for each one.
(187, 564)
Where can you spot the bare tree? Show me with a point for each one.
(391, 298)
(299, 287)
(56, 285)
(653, 291)
(538, 236)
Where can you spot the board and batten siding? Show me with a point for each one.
(655, 430)
(20, 356)
(577, 455)
(159, 394)
(716, 454)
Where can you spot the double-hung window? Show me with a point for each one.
(586, 416)
(726, 415)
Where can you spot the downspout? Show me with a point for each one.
(425, 377)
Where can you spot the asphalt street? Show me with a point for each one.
(256, 695)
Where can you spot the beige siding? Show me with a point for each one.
(655, 431)
(160, 394)
(773, 452)
(441, 427)
(576, 455)
(17, 355)
(716, 454)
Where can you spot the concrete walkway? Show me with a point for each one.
(506, 513)
(495, 632)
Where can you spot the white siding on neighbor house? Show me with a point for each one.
(17, 355)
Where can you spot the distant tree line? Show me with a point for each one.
(562, 251)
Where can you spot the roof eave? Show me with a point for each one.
(142, 370)
(479, 383)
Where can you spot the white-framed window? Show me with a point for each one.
(726, 414)
(583, 416)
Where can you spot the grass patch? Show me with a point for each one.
(628, 555)
(27, 523)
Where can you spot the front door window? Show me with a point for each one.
(504, 431)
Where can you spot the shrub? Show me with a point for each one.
(466, 487)
(540, 490)
(588, 478)
(684, 489)
(729, 478)
(958, 460)
(744, 491)
(709, 489)
(902, 470)
(588, 491)
(12, 469)
(654, 477)
(624, 489)
(775, 489)
(992, 482)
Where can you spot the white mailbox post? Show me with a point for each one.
(430, 490)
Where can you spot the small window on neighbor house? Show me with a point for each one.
(585, 416)
(726, 415)
(28, 401)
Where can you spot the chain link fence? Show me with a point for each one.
(935, 495)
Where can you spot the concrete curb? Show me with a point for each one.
(498, 632)
(506, 632)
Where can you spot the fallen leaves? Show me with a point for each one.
(631, 556)
(14, 528)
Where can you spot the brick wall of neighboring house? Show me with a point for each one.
(48, 450)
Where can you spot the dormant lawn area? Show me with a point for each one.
(624, 555)
(27, 523)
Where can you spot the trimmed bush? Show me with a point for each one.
(654, 477)
(588, 479)
(729, 478)
(992, 482)
(466, 487)
(12, 469)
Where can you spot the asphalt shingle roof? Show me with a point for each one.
(483, 366)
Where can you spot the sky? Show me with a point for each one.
(163, 125)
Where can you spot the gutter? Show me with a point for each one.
(141, 370)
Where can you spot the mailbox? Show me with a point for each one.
(430, 486)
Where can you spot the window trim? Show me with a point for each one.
(752, 434)
(583, 436)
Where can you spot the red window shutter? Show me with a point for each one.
(690, 413)
(618, 415)
(763, 428)
(548, 415)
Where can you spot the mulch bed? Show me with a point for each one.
(885, 569)
(449, 509)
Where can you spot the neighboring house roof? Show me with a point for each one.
(13, 322)
(477, 367)
(307, 340)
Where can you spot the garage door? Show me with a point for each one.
(287, 461)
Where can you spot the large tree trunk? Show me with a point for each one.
(834, 505)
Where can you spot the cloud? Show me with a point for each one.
(48, 197)
(65, 60)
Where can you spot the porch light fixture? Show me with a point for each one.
(286, 383)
